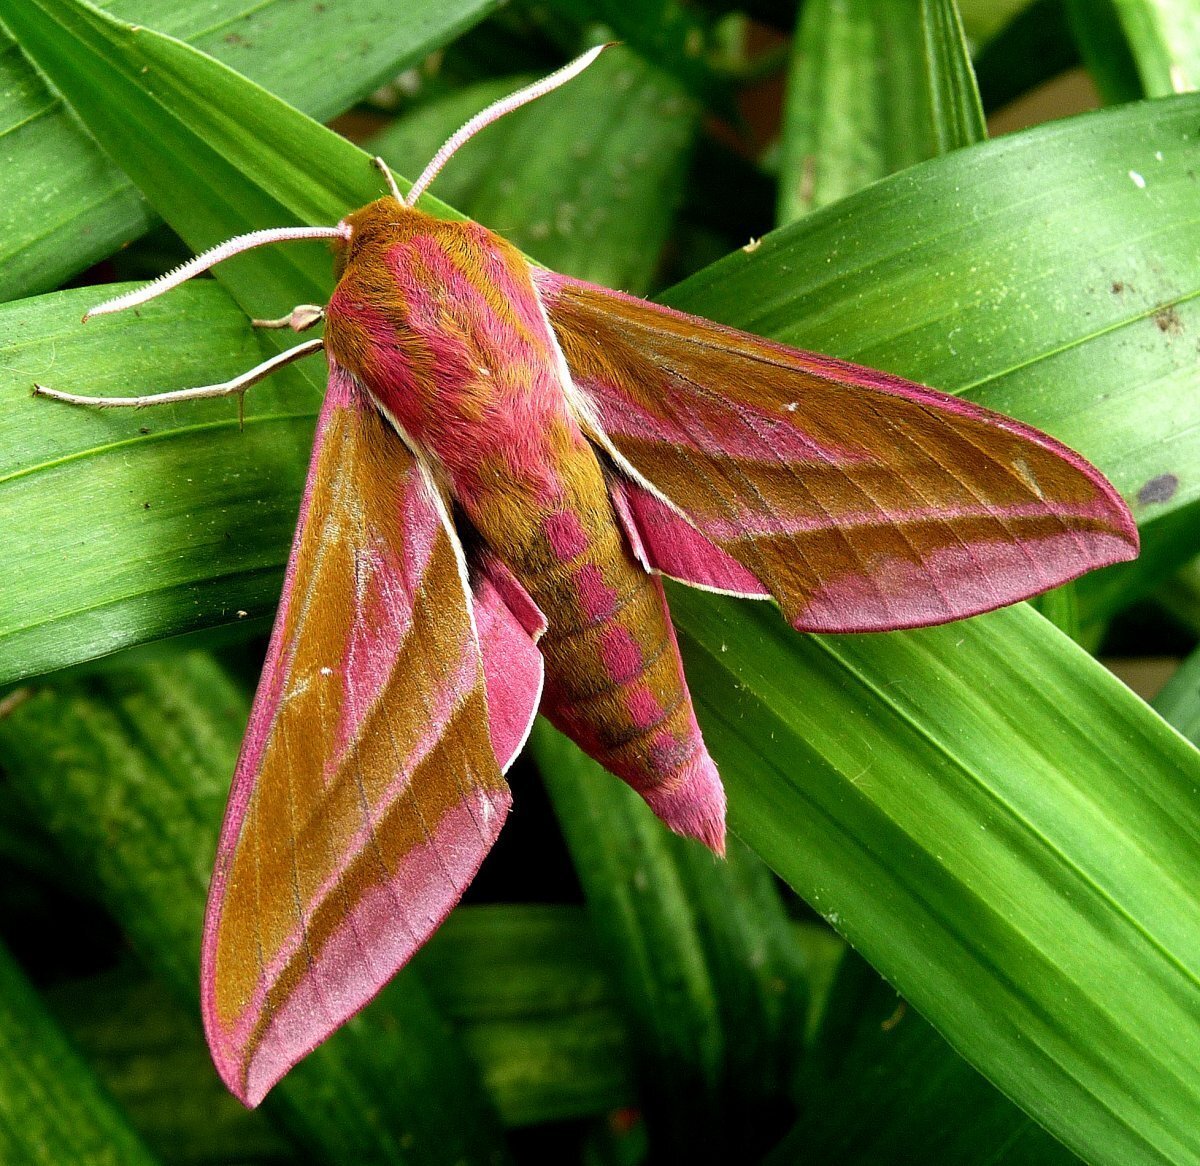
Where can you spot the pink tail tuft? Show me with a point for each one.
(693, 805)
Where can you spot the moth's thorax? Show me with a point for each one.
(442, 323)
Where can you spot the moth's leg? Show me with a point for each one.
(299, 319)
(237, 386)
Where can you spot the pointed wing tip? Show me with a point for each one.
(250, 1067)
(240, 1076)
(231, 1066)
(1126, 529)
(228, 1057)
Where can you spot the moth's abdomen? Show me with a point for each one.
(614, 679)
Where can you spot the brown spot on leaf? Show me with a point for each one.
(1118, 286)
(1168, 321)
(1160, 488)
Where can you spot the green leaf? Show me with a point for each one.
(149, 1051)
(875, 86)
(166, 528)
(1179, 597)
(1105, 49)
(1179, 701)
(708, 970)
(130, 770)
(889, 1092)
(52, 1109)
(67, 205)
(1164, 37)
(983, 18)
(1014, 864)
(524, 987)
(530, 995)
(669, 32)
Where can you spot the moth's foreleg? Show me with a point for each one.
(235, 387)
(299, 319)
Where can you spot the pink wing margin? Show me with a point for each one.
(369, 787)
(859, 501)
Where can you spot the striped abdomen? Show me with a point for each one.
(614, 679)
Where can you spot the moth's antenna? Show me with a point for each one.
(211, 258)
(494, 112)
(386, 171)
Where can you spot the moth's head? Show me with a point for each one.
(378, 224)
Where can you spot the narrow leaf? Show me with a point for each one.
(888, 1091)
(524, 986)
(995, 267)
(1164, 37)
(527, 988)
(874, 86)
(710, 977)
(1179, 701)
(52, 1109)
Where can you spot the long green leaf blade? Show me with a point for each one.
(1164, 37)
(709, 976)
(52, 1109)
(874, 86)
(1020, 871)
(66, 205)
(887, 1091)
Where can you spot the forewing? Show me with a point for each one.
(860, 501)
(368, 790)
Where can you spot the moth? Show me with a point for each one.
(506, 464)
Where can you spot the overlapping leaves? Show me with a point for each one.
(1024, 878)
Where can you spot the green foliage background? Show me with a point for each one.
(987, 816)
